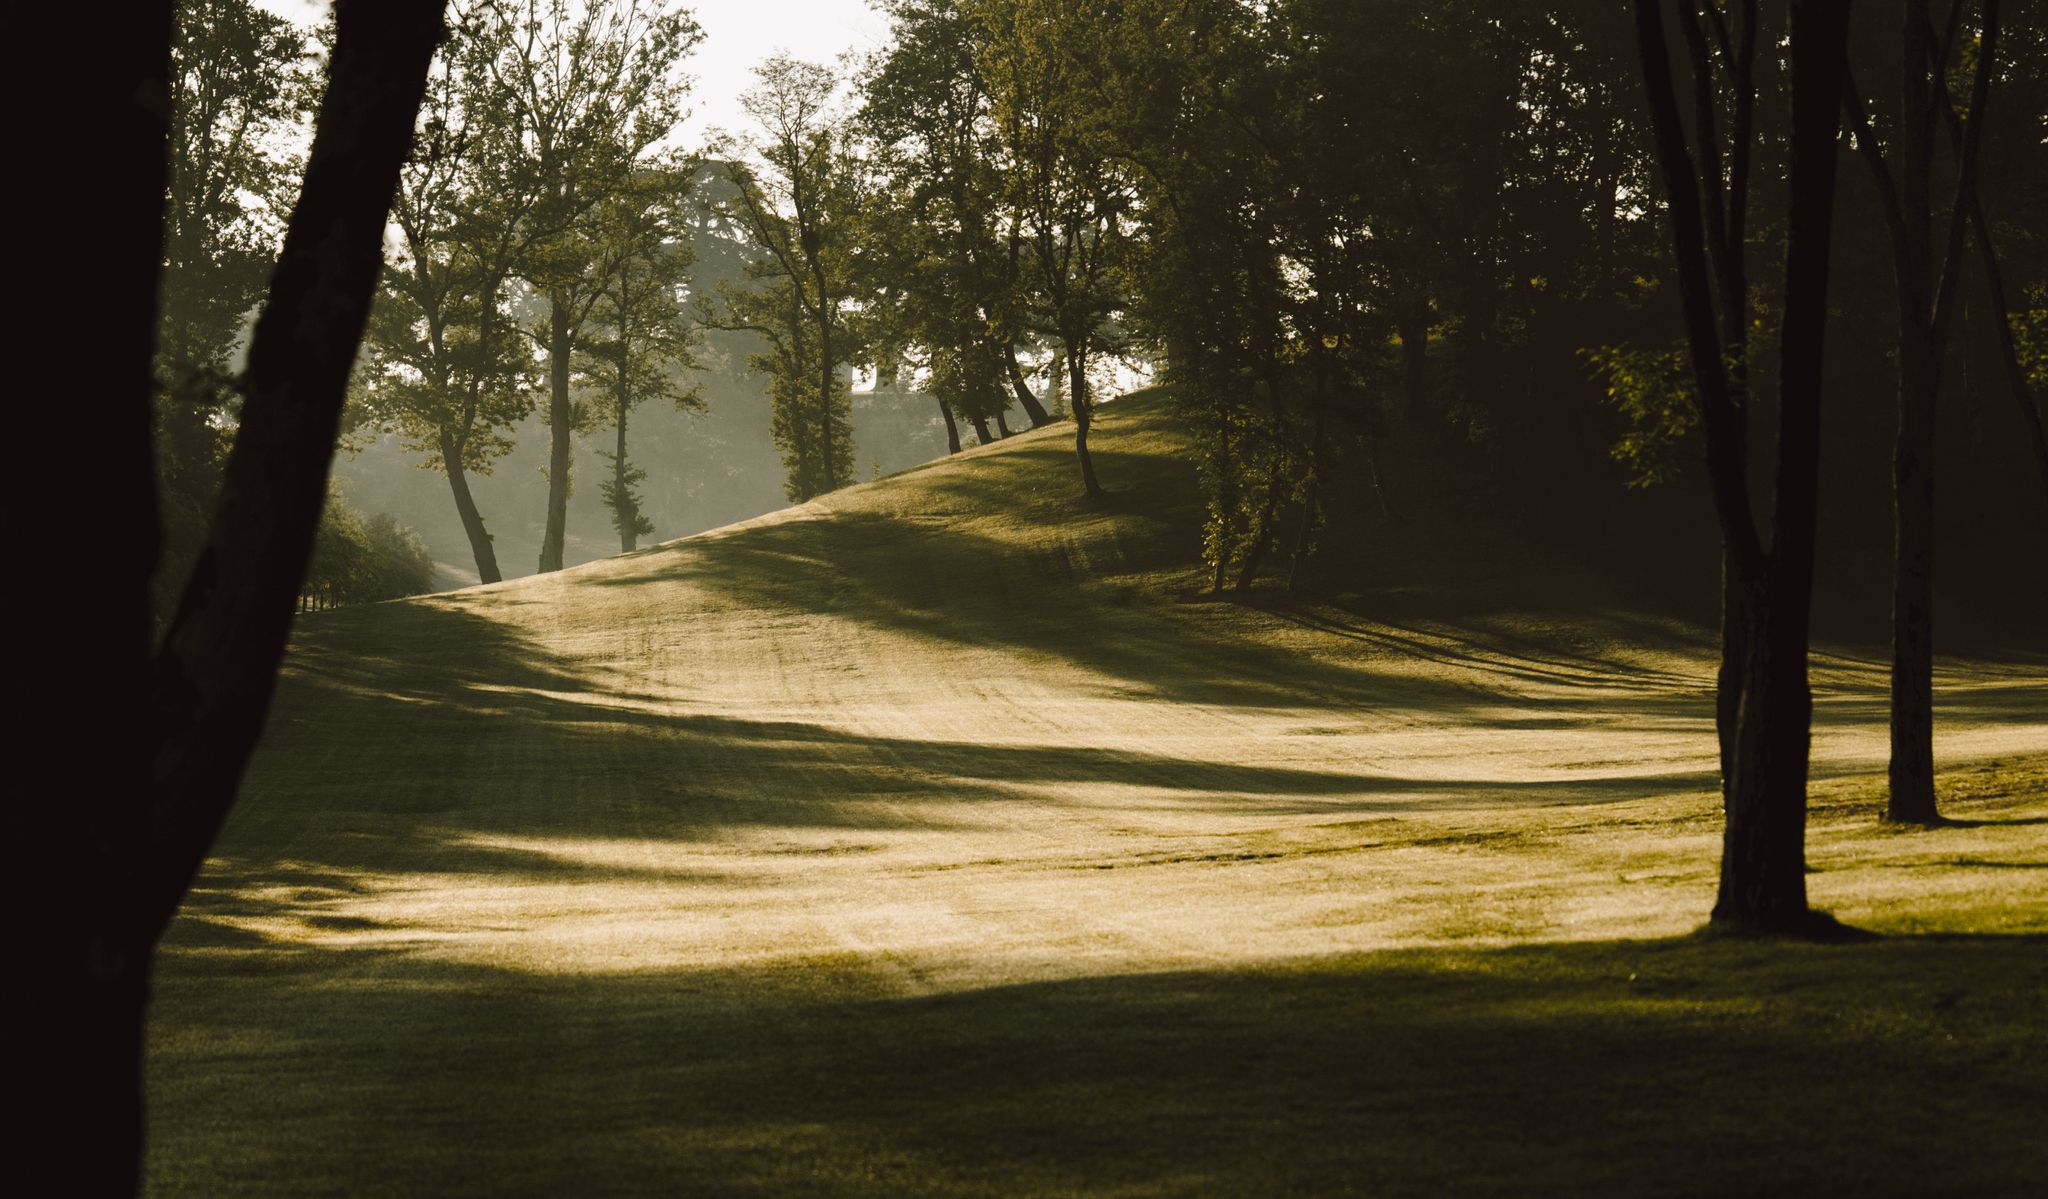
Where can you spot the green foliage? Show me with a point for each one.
(1653, 390)
(795, 194)
(241, 82)
(358, 560)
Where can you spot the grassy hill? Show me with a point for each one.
(940, 837)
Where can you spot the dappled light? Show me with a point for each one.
(842, 845)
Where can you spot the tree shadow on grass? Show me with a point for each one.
(1904, 1066)
(439, 741)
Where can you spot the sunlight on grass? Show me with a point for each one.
(939, 838)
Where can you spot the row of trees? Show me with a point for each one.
(1337, 221)
(538, 249)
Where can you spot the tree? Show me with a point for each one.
(444, 370)
(1924, 283)
(1072, 196)
(104, 843)
(942, 249)
(797, 202)
(1764, 706)
(577, 92)
(641, 338)
(238, 95)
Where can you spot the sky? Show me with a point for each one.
(738, 34)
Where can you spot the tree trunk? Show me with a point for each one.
(629, 513)
(1002, 427)
(560, 347)
(102, 845)
(952, 428)
(1911, 798)
(1911, 795)
(1763, 705)
(1029, 402)
(77, 973)
(480, 543)
(1084, 415)
(1763, 837)
(980, 424)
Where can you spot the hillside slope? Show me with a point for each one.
(938, 836)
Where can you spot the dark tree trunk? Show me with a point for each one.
(103, 844)
(980, 424)
(77, 866)
(1911, 795)
(952, 428)
(561, 344)
(1002, 426)
(1029, 402)
(1084, 415)
(1763, 705)
(480, 543)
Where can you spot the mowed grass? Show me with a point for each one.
(939, 838)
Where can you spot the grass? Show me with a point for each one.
(940, 838)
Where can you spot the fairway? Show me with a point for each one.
(940, 837)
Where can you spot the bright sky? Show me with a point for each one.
(738, 34)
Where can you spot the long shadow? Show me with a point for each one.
(432, 740)
(1903, 1066)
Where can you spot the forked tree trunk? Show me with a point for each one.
(560, 347)
(103, 844)
(480, 544)
(1763, 705)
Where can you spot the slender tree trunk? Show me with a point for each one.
(1911, 797)
(629, 513)
(1029, 402)
(952, 428)
(1002, 427)
(480, 544)
(560, 346)
(980, 424)
(1084, 415)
